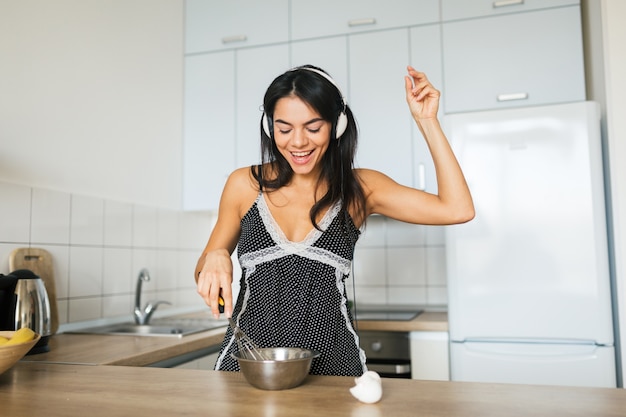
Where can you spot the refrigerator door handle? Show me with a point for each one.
(533, 341)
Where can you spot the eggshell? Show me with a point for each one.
(368, 388)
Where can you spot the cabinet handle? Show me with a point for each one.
(505, 3)
(234, 38)
(421, 179)
(512, 96)
(362, 22)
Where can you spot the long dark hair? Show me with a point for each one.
(326, 99)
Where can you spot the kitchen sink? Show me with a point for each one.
(163, 327)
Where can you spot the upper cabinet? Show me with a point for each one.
(313, 19)
(377, 68)
(256, 69)
(225, 24)
(464, 9)
(513, 60)
(482, 55)
(209, 128)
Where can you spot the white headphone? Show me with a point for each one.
(342, 120)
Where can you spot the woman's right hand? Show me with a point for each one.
(215, 279)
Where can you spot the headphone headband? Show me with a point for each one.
(328, 78)
(342, 119)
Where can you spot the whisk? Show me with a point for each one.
(246, 346)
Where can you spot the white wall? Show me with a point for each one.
(91, 97)
(614, 39)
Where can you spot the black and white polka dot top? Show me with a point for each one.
(292, 294)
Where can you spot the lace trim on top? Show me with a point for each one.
(286, 247)
(276, 232)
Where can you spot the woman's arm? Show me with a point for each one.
(214, 270)
(453, 202)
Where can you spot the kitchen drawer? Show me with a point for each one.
(463, 9)
(313, 19)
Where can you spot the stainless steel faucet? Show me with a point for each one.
(142, 316)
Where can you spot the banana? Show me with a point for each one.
(22, 335)
(3, 340)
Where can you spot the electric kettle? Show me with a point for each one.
(24, 303)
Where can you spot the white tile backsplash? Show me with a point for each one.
(406, 266)
(370, 266)
(117, 305)
(195, 229)
(437, 296)
(98, 247)
(117, 271)
(167, 229)
(145, 226)
(400, 263)
(436, 266)
(50, 220)
(435, 235)
(166, 269)
(85, 271)
(80, 309)
(403, 234)
(118, 224)
(87, 221)
(373, 235)
(60, 268)
(408, 295)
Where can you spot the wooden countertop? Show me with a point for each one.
(52, 390)
(92, 349)
(427, 321)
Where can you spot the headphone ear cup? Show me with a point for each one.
(266, 125)
(342, 124)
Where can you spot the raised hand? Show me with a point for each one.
(422, 97)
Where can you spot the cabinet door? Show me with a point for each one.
(463, 9)
(256, 69)
(209, 126)
(378, 63)
(223, 24)
(330, 54)
(429, 356)
(311, 19)
(522, 59)
(426, 57)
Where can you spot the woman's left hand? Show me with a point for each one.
(422, 97)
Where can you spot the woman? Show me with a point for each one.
(296, 217)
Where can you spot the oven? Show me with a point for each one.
(388, 353)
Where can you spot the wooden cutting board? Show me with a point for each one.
(40, 262)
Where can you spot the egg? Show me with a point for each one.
(368, 388)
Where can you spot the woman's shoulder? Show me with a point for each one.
(241, 189)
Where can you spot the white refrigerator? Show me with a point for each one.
(528, 278)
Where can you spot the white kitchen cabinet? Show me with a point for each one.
(330, 54)
(389, 140)
(225, 24)
(430, 358)
(425, 57)
(513, 60)
(256, 69)
(209, 126)
(463, 9)
(313, 19)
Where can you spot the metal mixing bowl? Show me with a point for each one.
(284, 368)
